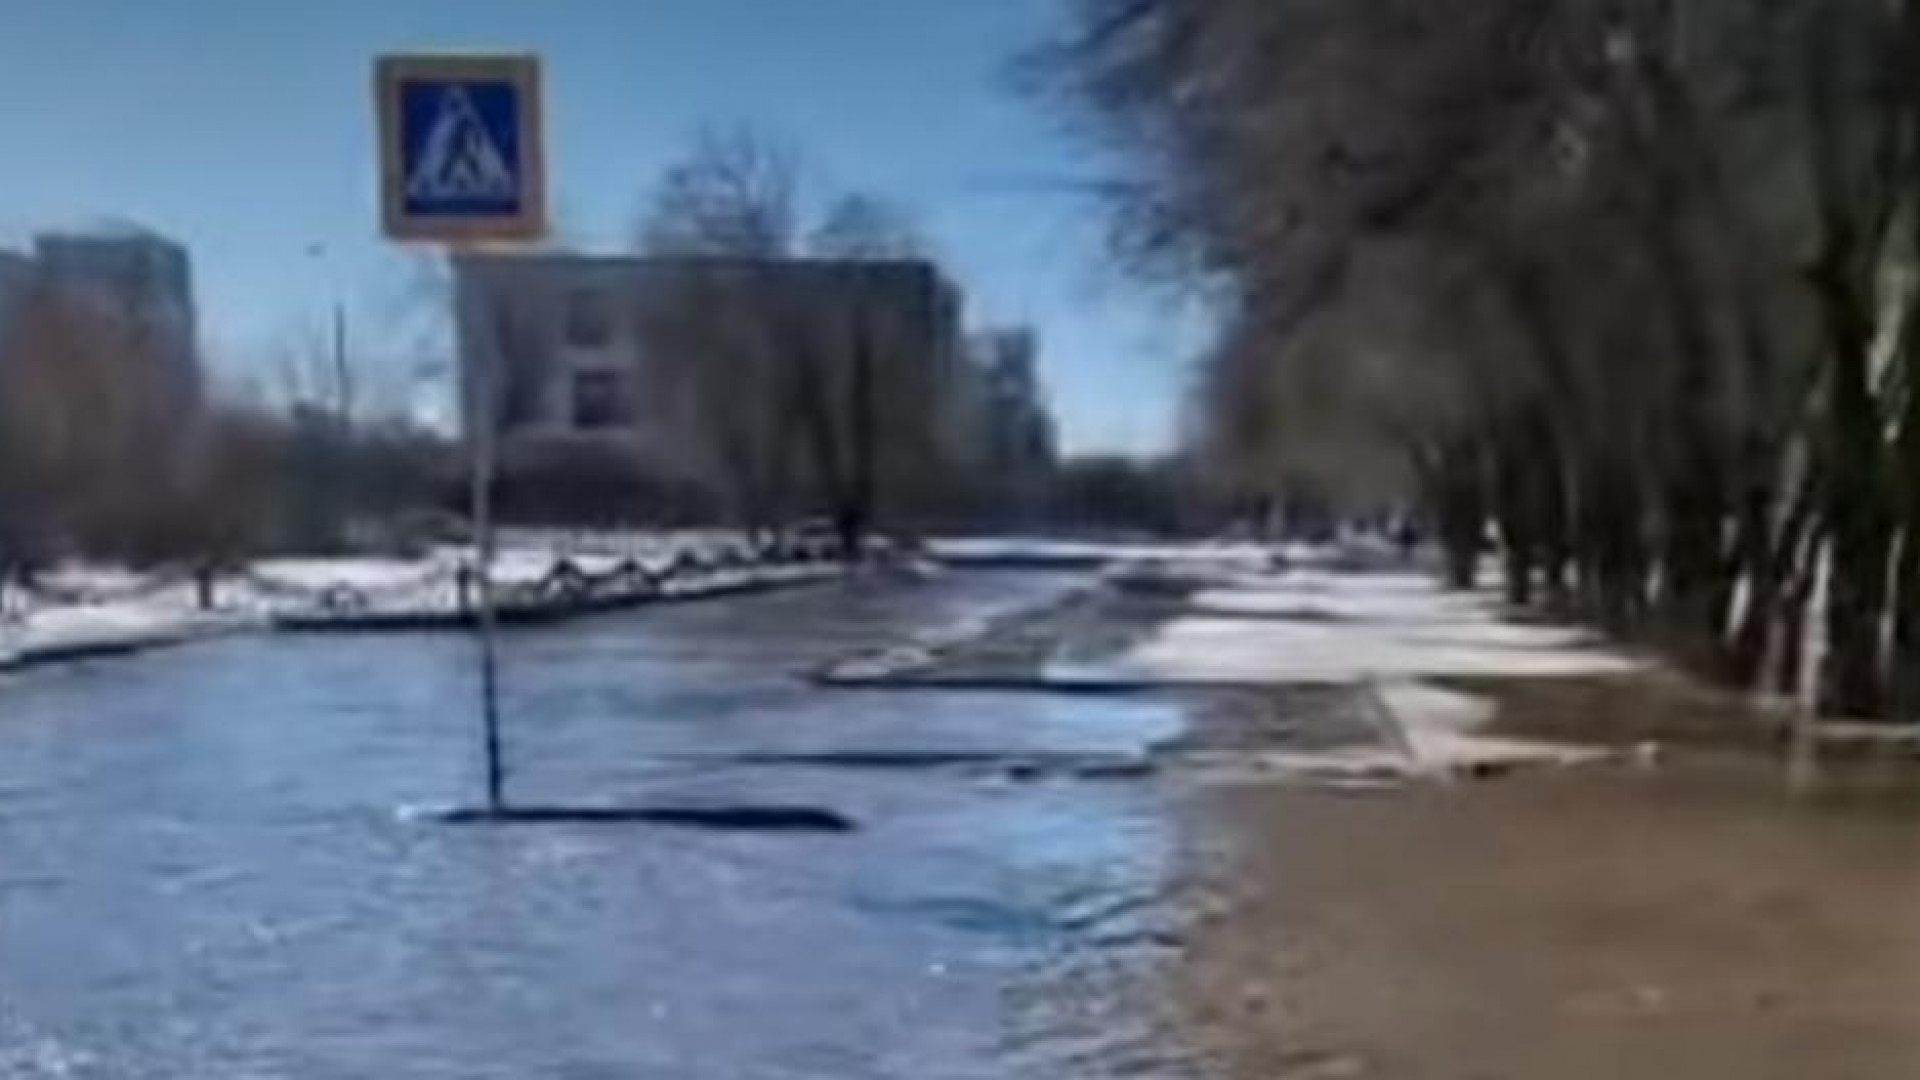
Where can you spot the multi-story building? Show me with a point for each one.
(609, 349)
(16, 281)
(140, 278)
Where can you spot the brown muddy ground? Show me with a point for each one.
(1687, 919)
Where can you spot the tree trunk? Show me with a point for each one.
(1852, 234)
(1460, 507)
(1792, 624)
(1694, 588)
(1519, 564)
(1851, 683)
(864, 449)
(203, 579)
(1556, 539)
(1613, 519)
(1763, 560)
(1516, 515)
(1905, 662)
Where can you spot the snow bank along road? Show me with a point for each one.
(80, 611)
(1389, 632)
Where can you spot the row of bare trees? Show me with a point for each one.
(1631, 279)
(102, 456)
(799, 362)
(93, 456)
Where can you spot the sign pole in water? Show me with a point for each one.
(462, 164)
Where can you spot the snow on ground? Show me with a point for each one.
(1310, 592)
(1386, 632)
(83, 608)
(523, 557)
(511, 566)
(348, 572)
(1203, 649)
(1031, 550)
(90, 578)
(1439, 732)
(140, 613)
(67, 629)
(1318, 627)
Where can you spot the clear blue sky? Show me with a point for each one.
(244, 128)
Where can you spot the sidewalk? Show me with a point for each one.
(1680, 915)
(1417, 658)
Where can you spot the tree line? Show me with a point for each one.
(1630, 280)
(809, 353)
(783, 398)
(102, 456)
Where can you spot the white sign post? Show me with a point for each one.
(462, 164)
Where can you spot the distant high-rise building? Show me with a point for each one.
(1014, 433)
(16, 280)
(137, 276)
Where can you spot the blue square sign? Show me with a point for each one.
(461, 148)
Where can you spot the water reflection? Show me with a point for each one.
(206, 868)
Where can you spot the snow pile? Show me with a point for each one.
(354, 573)
(1383, 632)
(38, 632)
(646, 545)
(1316, 627)
(278, 585)
(1439, 733)
(80, 609)
(720, 563)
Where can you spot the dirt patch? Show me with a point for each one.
(1654, 706)
(1689, 920)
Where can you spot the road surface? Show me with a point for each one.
(212, 861)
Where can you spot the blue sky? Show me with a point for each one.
(244, 127)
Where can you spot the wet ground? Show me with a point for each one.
(219, 862)
(1674, 914)
(213, 861)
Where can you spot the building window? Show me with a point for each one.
(589, 319)
(600, 400)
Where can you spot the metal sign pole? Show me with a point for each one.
(482, 516)
(462, 165)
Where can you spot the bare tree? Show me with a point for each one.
(863, 226)
(729, 205)
(735, 194)
(1628, 216)
(89, 440)
(718, 382)
(867, 400)
(791, 374)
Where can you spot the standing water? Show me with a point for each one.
(209, 866)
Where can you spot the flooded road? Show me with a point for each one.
(211, 863)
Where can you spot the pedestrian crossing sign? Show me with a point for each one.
(461, 155)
